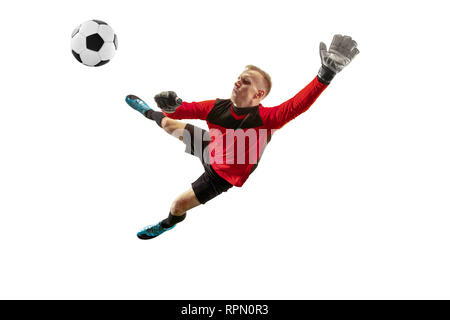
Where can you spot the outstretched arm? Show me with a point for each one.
(342, 50)
(173, 107)
(192, 110)
(278, 116)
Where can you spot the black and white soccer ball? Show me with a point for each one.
(94, 43)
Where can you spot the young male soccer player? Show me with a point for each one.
(239, 128)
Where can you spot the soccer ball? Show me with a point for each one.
(94, 43)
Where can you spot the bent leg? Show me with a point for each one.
(187, 200)
(208, 186)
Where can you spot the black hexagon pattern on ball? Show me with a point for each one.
(116, 44)
(94, 42)
(100, 21)
(101, 63)
(77, 29)
(77, 56)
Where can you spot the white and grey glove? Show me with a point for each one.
(168, 101)
(342, 51)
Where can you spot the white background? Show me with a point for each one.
(350, 200)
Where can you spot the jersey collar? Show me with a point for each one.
(242, 111)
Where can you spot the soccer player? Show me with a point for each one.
(239, 128)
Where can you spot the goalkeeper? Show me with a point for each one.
(239, 128)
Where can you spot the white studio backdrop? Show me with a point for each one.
(350, 200)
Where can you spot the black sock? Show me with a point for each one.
(172, 220)
(155, 115)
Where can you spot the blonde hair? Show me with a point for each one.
(264, 74)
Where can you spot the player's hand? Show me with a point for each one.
(342, 51)
(168, 101)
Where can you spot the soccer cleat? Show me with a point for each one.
(137, 103)
(153, 231)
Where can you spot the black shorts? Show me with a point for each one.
(209, 185)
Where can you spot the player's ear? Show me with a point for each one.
(260, 94)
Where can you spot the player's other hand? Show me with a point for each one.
(168, 101)
(342, 51)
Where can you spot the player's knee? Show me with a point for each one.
(169, 126)
(173, 126)
(165, 123)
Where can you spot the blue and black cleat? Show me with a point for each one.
(137, 103)
(153, 231)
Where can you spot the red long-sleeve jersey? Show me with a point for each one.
(238, 141)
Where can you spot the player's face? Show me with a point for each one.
(246, 89)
